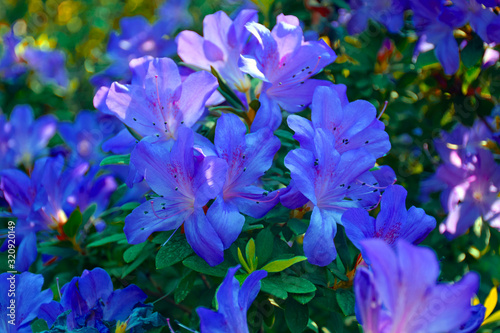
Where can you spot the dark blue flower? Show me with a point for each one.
(354, 125)
(92, 300)
(86, 134)
(48, 64)
(434, 22)
(23, 138)
(233, 303)
(333, 183)
(248, 157)
(138, 38)
(393, 221)
(26, 290)
(389, 13)
(11, 65)
(185, 183)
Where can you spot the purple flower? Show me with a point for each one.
(233, 303)
(389, 13)
(400, 294)
(138, 38)
(393, 221)
(223, 42)
(285, 62)
(43, 202)
(248, 157)
(48, 64)
(11, 66)
(174, 14)
(93, 190)
(354, 125)
(87, 133)
(333, 183)
(157, 103)
(92, 300)
(435, 21)
(26, 290)
(185, 183)
(469, 180)
(23, 138)
(476, 196)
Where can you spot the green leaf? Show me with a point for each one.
(342, 248)
(264, 245)
(116, 159)
(106, 240)
(184, 287)
(291, 284)
(198, 264)
(39, 325)
(87, 214)
(133, 252)
(282, 264)
(176, 250)
(71, 226)
(345, 299)
(270, 287)
(297, 226)
(250, 253)
(143, 256)
(472, 52)
(296, 316)
(304, 298)
(243, 262)
(335, 271)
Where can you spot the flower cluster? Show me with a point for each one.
(253, 141)
(469, 179)
(434, 21)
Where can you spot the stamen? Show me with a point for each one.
(383, 110)
(58, 288)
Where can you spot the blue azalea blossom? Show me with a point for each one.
(233, 304)
(48, 64)
(29, 297)
(389, 13)
(185, 183)
(468, 178)
(174, 14)
(157, 102)
(93, 301)
(354, 125)
(86, 134)
(24, 138)
(400, 293)
(285, 62)
(223, 42)
(138, 38)
(11, 65)
(393, 221)
(42, 203)
(248, 157)
(333, 183)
